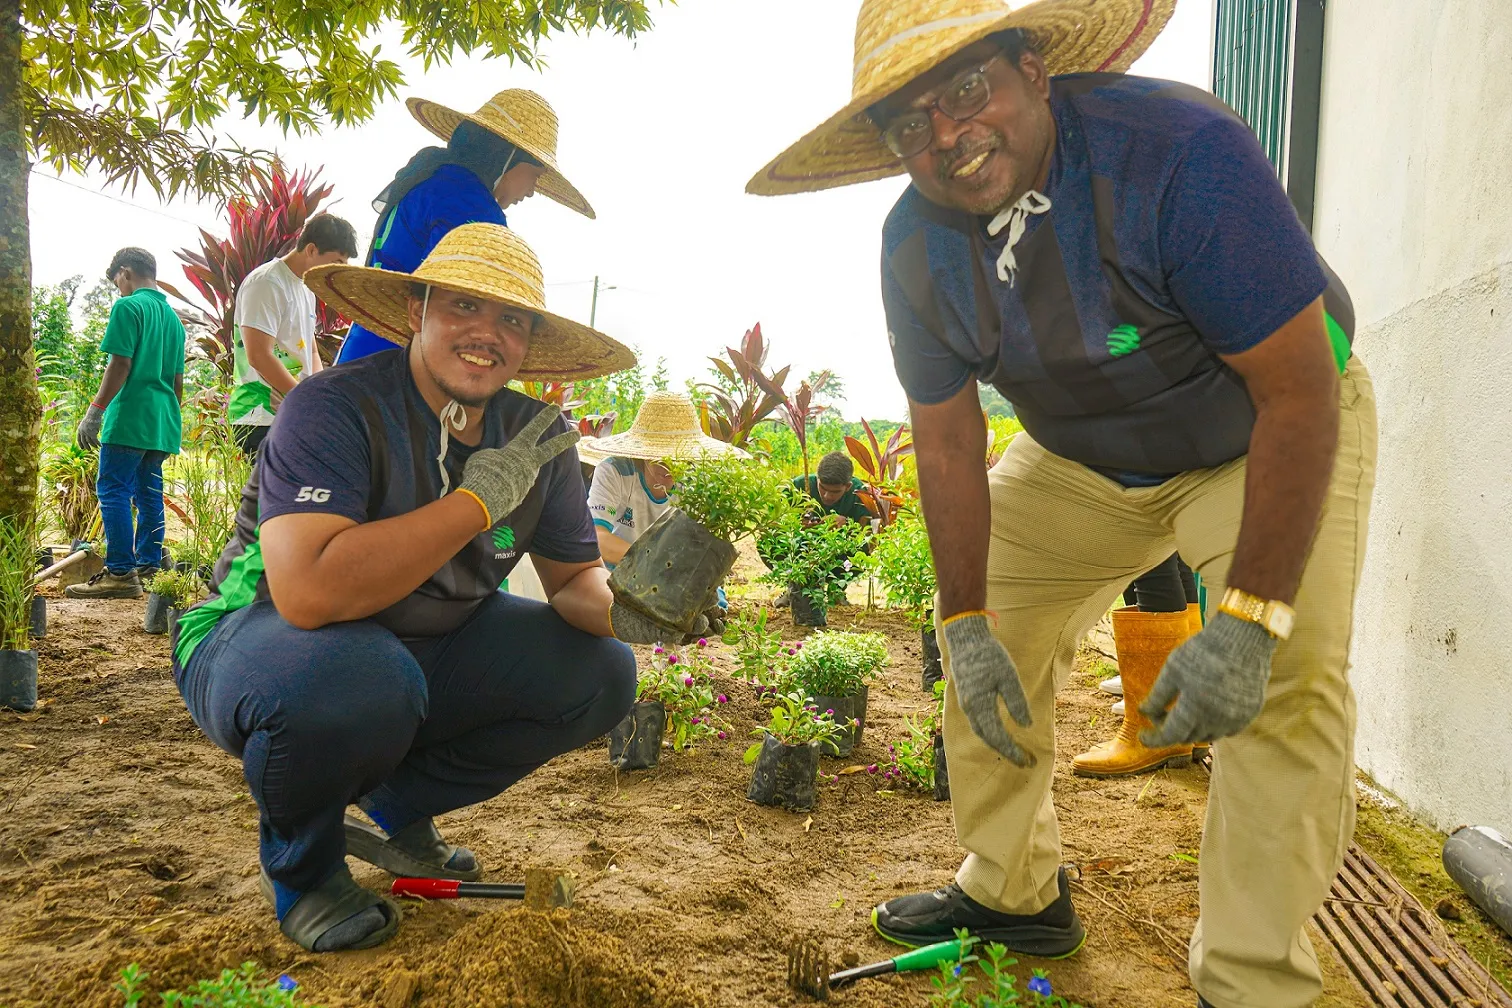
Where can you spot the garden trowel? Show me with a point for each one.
(809, 967)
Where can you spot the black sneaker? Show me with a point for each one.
(925, 918)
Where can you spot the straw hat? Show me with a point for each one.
(665, 428)
(488, 261)
(525, 120)
(899, 40)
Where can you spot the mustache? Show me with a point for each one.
(480, 350)
(963, 153)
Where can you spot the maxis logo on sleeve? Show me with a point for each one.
(503, 539)
(1123, 341)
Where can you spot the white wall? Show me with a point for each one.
(1414, 211)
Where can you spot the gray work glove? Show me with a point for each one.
(501, 477)
(634, 628)
(1217, 680)
(980, 672)
(88, 434)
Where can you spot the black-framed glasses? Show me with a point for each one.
(967, 94)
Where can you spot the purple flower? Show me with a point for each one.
(791, 651)
(722, 699)
(1040, 985)
(697, 721)
(799, 645)
(703, 642)
(872, 768)
(957, 970)
(673, 659)
(830, 712)
(658, 650)
(723, 735)
(687, 680)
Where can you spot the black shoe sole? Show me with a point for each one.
(1029, 939)
(367, 844)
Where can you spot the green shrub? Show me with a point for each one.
(796, 721)
(18, 559)
(730, 496)
(813, 557)
(902, 562)
(837, 663)
(243, 988)
(184, 587)
(758, 647)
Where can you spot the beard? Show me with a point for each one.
(467, 397)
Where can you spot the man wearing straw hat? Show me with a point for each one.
(501, 154)
(1117, 257)
(355, 648)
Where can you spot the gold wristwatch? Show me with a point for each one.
(1275, 617)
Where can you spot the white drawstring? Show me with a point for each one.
(1016, 218)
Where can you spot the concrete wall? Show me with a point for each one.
(1415, 213)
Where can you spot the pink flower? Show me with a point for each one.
(687, 680)
(722, 699)
(723, 735)
(673, 659)
(658, 650)
(703, 642)
(872, 768)
(830, 712)
(696, 721)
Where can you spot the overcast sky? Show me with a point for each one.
(661, 136)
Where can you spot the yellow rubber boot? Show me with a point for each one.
(1143, 641)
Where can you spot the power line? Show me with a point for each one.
(117, 199)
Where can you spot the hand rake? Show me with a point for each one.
(809, 966)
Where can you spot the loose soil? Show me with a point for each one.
(125, 836)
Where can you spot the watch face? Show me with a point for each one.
(1281, 620)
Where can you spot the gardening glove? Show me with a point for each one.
(633, 628)
(981, 672)
(499, 478)
(88, 434)
(1217, 681)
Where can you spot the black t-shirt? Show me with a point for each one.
(359, 441)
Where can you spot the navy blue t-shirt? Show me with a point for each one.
(359, 441)
(1169, 242)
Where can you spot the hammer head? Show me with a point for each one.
(546, 889)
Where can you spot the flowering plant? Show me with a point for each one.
(819, 558)
(681, 683)
(912, 758)
(795, 722)
(1001, 988)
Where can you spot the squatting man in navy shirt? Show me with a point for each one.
(356, 648)
(1117, 257)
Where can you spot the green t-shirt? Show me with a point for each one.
(145, 413)
(850, 504)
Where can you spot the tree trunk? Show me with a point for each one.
(20, 408)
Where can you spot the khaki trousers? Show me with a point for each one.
(1065, 542)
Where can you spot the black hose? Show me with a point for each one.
(1480, 860)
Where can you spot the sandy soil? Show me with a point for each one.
(126, 836)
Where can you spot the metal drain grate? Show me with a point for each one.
(1399, 951)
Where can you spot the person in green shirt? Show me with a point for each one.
(135, 422)
(836, 488)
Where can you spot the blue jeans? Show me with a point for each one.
(131, 476)
(405, 728)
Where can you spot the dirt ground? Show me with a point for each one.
(125, 836)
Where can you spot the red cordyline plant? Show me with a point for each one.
(747, 394)
(882, 462)
(798, 410)
(559, 394)
(265, 221)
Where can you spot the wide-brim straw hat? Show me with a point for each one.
(525, 120)
(488, 261)
(666, 427)
(899, 40)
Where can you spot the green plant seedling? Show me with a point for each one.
(838, 663)
(796, 722)
(681, 683)
(730, 496)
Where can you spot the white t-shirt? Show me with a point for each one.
(619, 501)
(271, 299)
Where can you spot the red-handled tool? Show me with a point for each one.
(434, 888)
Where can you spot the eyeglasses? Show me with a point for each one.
(966, 95)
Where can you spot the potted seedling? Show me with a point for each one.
(832, 670)
(18, 662)
(761, 655)
(813, 560)
(918, 760)
(786, 759)
(676, 705)
(902, 562)
(671, 573)
(169, 593)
